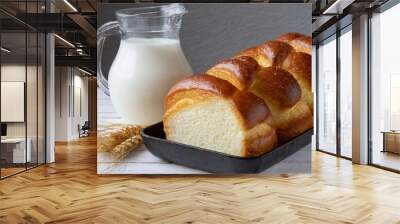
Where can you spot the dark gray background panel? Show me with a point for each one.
(215, 31)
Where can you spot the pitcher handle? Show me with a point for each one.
(106, 30)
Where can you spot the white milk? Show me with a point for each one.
(141, 75)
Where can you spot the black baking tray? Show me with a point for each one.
(216, 162)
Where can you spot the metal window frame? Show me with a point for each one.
(339, 32)
(381, 9)
(338, 96)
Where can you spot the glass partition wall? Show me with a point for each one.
(13, 89)
(345, 93)
(327, 95)
(385, 89)
(334, 94)
(22, 77)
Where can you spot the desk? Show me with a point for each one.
(13, 150)
(391, 141)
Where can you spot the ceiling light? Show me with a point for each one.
(5, 50)
(84, 71)
(65, 41)
(80, 51)
(338, 6)
(70, 5)
(326, 11)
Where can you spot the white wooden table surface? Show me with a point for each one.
(142, 161)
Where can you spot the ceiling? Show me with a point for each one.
(327, 13)
(73, 21)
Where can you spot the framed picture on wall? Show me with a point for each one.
(12, 101)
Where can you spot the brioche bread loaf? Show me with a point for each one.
(248, 104)
(211, 113)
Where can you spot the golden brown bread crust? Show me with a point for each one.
(302, 44)
(249, 52)
(298, 120)
(259, 140)
(287, 37)
(292, 52)
(252, 109)
(273, 83)
(204, 82)
(238, 71)
(277, 86)
(273, 53)
(282, 93)
(283, 81)
(195, 89)
(290, 115)
(299, 65)
(298, 41)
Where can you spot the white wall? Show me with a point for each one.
(62, 81)
(80, 115)
(71, 94)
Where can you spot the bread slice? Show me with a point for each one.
(211, 113)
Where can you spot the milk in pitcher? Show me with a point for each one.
(141, 75)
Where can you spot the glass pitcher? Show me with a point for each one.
(148, 63)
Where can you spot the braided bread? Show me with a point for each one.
(248, 104)
(291, 52)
